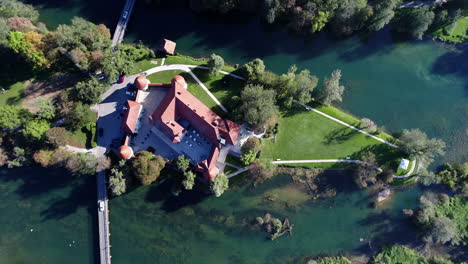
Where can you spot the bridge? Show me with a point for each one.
(103, 220)
(122, 24)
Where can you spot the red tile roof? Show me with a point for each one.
(131, 117)
(125, 152)
(168, 46)
(180, 104)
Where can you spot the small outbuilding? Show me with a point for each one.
(404, 163)
(168, 46)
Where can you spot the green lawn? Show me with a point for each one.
(143, 65)
(308, 135)
(459, 33)
(83, 138)
(13, 94)
(165, 76)
(183, 59)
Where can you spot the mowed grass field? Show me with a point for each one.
(308, 135)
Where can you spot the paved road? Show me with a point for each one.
(108, 119)
(122, 24)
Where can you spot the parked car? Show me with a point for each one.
(143, 73)
(125, 14)
(101, 206)
(121, 78)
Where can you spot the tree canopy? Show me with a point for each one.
(46, 109)
(12, 117)
(14, 8)
(219, 184)
(88, 91)
(117, 182)
(258, 105)
(189, 180)
(215, 63)
(417, 145)
(147, 167)
(332, 90)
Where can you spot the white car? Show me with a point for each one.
(101, 206)
(125, 14)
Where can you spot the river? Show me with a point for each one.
(398, 84)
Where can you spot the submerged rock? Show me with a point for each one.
(384, 195)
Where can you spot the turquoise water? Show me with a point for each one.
(47, 216)
(397, 84)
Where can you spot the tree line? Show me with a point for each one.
(341, 17)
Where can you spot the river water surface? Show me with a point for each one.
(398, 84)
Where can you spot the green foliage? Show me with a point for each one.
(258, 106)
(252, 144)
(455, 176)
(368, 125)
(147, 167)
(46, 109)
(330, 260)
(253, 70)
(215, 63)
(14, 8)
(78, 116)
(88, 91)
(57, 136)
(320, 20)
(332, 90)
(415, 21)
(4, 32)
(292, 86)
(271, 8)
(416, 145)
(443, 218)
(82, 35)
(36, 129)
(384, 11)
(117, 63)
(182, 163)
(398, 254)
(12, 117)
(248, 157)
(19, 44)
(189, 180)
(219, 184)
(82, 164)
(117, 182)
(19, 158)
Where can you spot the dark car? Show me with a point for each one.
(121, 78)
(101, 132)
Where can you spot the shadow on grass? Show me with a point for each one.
(386, 156)
(339, 135)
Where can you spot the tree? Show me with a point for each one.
(116, 63)
(386, 176)
(416, 145)
(442, 231)
(78, 116)
(117, 182)
(248, 157)
(258, 105)
(23, 44)
(369, 125)
(219, 184)
(253, 70)
(416, 22)
(81, 164)
(182, 163)
(21, 24)
(305, 83)
(19, 155)
(332, 90)
(43, 157)
(36, 129)
(384, 11)
(252, 144)
(57, 136)
(3, 157)
(82, 35)
(89, 91)
(4, 31)
(14, 8)
(46, 109)
(319, 21)
(366, 173)
(262, 171)
(215, 63)
(271, 8)
(454, 175)
(189, 180)
(147, 167)
(12, 117)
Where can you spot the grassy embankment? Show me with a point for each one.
(453, 34)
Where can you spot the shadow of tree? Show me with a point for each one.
(384, 154)
(339, 135)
